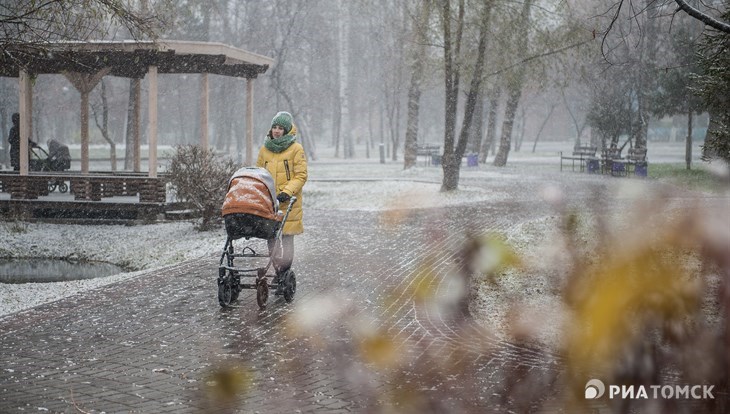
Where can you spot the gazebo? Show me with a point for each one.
(85, 63)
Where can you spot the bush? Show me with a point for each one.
(200, 179)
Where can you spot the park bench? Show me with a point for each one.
(634, 163)
(581, 155)
(612, 161)
(431, 152)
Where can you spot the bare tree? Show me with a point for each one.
(417, 56)
(451, 161)
(33, 23)
(344, 89)
(488, 145)
(103, 125)
(514, 88)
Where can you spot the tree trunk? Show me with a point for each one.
(578, 127)
(414, 91)
(343, 50)
(336, 123)
(104, 126)
(451, 81)
(475, 139)
(688, 147)
(395, 131)
(542, 126)
(520, 129)
(505, 142)
(452, 159)
(515, 89)
(129, 139)
(4, 155)
(489, 139)
(646, 74)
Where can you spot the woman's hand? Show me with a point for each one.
(283, 197)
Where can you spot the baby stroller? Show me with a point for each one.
(58, 158)
(251, 210)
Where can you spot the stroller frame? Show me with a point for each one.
(229, 276)
(45, 164)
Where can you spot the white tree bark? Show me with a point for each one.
(342, 37)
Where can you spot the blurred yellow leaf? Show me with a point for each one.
(379, 349)
(620, 297)
(228, 383)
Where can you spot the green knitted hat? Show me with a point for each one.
(283, 119)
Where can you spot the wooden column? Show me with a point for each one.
(136, 133)
(25, 97)
(84, 132)
(152, 121)
(204, 107)
(249, 122)
(85, 83)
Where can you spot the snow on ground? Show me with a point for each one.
(334, 183)
(144, 247)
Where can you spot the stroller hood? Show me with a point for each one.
(260, 174)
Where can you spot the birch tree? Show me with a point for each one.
(344, 90)
(514, 87)
(417, 57)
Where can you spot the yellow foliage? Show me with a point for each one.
(228, 383)
(619, 297)
(379, 349)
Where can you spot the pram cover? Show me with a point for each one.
(59, 157)
(251, 191)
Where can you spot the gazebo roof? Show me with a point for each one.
(131, 59)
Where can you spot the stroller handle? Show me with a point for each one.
(286, 215)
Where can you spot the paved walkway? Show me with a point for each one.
(152, 344)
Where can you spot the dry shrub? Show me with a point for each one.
(200, 179)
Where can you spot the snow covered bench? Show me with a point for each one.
(581, 155)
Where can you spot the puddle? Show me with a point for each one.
(53, 270)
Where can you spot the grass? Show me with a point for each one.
(698, 177)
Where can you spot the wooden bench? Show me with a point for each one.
(612, 161)
(634, 163)
(429, 151)
(580, 154)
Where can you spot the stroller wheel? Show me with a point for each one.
(235, 283)
(225, 289)
(262, 292)
(290, 285)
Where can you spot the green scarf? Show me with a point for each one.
(278, 145)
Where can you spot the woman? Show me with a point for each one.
(285, 160)
(14, 142)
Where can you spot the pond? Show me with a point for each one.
(29, 270)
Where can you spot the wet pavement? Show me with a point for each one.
(161, 343)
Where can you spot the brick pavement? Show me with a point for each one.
(150, 344)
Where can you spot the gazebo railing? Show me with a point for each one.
(88, 187)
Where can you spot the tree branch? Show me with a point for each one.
(538, 56)
(704, 18)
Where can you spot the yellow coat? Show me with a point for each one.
(289, 169)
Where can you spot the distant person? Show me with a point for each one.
(14, 142)
(285, 160)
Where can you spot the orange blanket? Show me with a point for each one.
(251, 196)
